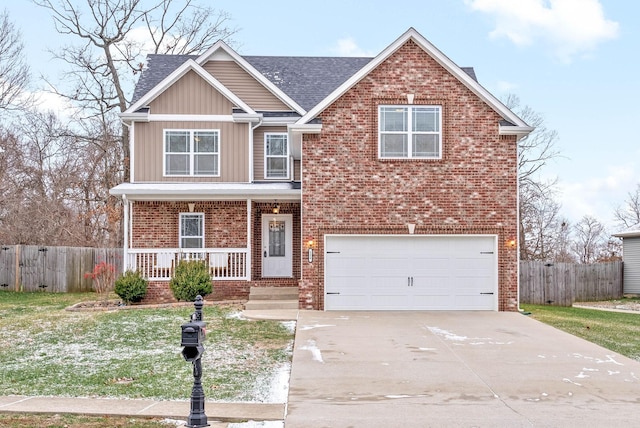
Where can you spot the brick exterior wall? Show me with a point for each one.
(471, 190)
(155, 225)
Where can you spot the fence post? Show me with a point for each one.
(18, 273)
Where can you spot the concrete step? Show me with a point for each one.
(261, 305)
(273, 293)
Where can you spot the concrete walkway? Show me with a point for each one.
(179, 410)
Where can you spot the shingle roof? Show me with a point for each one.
(307, 80)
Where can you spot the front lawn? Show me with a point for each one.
(45, 350)
(619, 332)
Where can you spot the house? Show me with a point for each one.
(631, 258)
(378, 183)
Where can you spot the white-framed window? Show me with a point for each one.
(276, 155)
(410, 132)
(191, 230)
(191, 152)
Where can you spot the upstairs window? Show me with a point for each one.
(192, 153)
(191, 230)
(276, 155)
(410, 132)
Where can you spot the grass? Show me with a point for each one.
(47, 351)
(76, 421)
(619, 332)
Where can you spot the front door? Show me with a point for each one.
(277, 242)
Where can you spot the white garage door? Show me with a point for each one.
(416, 272)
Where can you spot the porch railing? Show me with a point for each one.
(158, 264)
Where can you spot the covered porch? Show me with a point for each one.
(247, 234)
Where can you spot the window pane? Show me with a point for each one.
(393, 119)
(191, 225)
(191, 243)
(276, 145)
(276, 238)
(426, 119)
(393, 145)
(426, 145)
(177, 164)
(205, 142)
(277, 167)
(177, 141)
(205, 165)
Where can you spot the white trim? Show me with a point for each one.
(191, 118)
(207, 191)
(305, 128)
(410, 133)
(438, 56)
(189, 65)
(191, 153)
(244, 64)
(132, 152)
(285, 156)
(249, 240)
(180, 236)
(125, 238)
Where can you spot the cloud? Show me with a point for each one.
(598, 196)
(570, 27)
(349, 47)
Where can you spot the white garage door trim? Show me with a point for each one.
(415, 272)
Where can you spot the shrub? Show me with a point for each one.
(131, 287)
(103, 276)
(190, 279)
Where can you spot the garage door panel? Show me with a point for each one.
(411, 272)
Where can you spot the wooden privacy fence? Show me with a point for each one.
(561, 284)
(55, 269)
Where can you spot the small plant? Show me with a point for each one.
(131, 287)
(103, 278)
(190, 279)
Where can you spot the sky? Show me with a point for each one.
(574, 62)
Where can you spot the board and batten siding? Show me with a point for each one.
(234, 151)
(631, 275)
(191, 94)
(241, 83)
(258, 152)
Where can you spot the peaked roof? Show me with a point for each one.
(443, 60)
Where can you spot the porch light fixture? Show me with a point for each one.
(511, 243)
(192, 207)
(276, 209)
(310, 250)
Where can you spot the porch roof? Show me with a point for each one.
(207, 191)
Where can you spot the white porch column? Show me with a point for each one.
(125, 237)
(249, 243)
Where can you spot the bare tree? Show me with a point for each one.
(590, 238)
(110, 40)
(628, 215)
(14, 71)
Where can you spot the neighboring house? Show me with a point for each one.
(631, 258)
(368, 183)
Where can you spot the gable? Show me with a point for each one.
(191, 94)
(241, 83)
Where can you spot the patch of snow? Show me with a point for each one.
(311, 327)
(313, 348)
(570, 381)
(236, 316)
(581, 375)
(427, 349)
(258, 424)
(289, 325)
(611, 372)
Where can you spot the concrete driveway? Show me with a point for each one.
(454, 369)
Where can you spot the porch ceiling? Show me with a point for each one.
(207, 191)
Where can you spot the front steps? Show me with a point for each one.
(272, 298)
